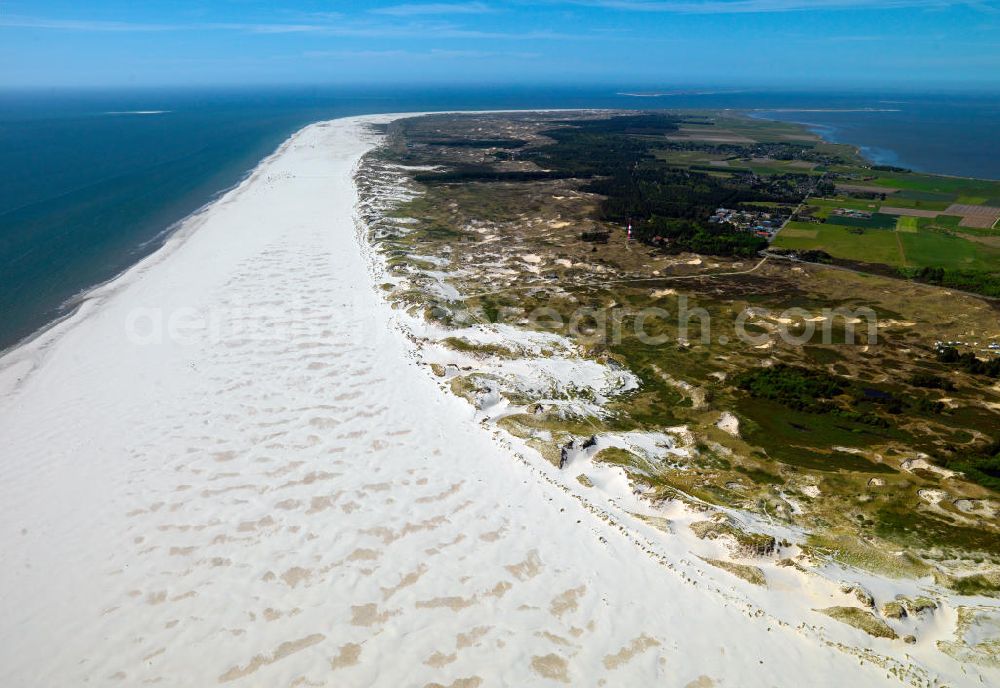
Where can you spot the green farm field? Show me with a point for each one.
(909, 244)
(827, 205)
(976, 191)
(840, 241)
(937, 249)
(934, 235)
(902, 241)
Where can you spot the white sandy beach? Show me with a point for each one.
(283, 497)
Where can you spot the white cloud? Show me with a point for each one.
(416, 9)
(417, 29)
(770, 6)
(15, 21)
(436, 54)
(358, 54)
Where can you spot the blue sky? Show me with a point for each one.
(664, 43)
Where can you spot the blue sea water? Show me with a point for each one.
(90, 182)
(958, 136)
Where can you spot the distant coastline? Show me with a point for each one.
(932, 139)
(873, 154)
(103, 179)
(828, 110)
(667, 94)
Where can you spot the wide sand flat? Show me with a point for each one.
(297, 503)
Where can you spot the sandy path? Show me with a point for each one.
(300, 505)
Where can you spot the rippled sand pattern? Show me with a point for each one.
(301, 505)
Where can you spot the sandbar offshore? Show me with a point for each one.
(227, 467)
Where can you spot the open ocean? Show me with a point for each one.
(90, 182)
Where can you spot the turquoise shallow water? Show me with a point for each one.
(88, 185)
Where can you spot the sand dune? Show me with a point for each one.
(226, 468)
